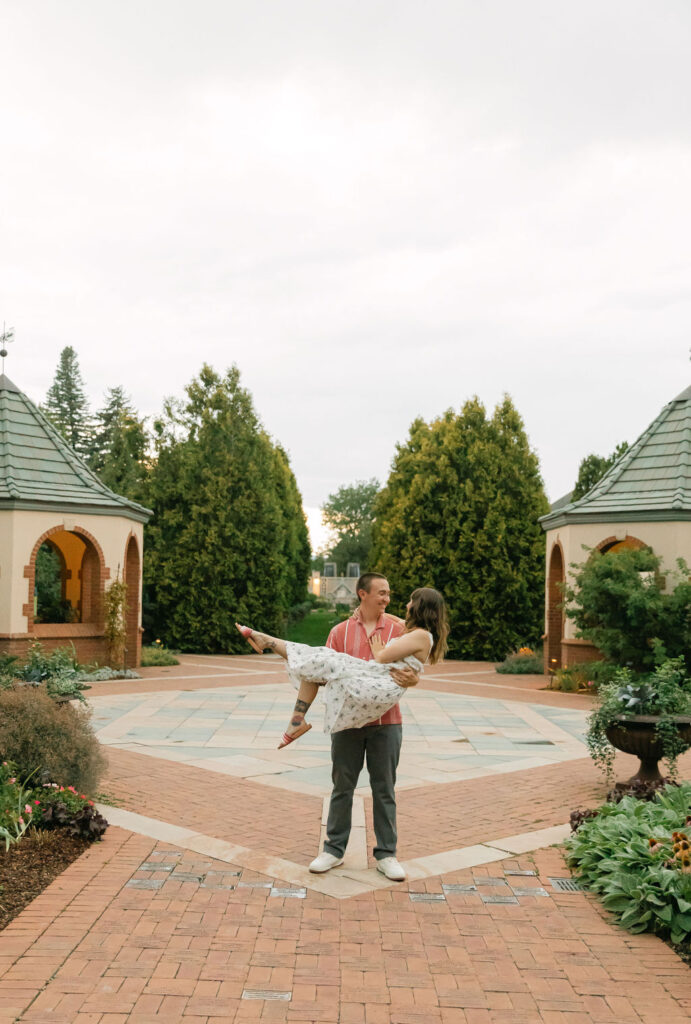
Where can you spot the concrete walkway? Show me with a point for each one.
(198, 906)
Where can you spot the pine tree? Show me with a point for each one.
(119, 447)
(593, 468)
(228, 539)
(460, 512)
(66, 405)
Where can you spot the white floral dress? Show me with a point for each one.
(355, 691)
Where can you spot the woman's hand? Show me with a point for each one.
(376, 645)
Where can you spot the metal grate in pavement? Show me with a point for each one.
(566, 885)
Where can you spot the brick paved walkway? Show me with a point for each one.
(143, 930)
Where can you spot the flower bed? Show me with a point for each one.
(636, 856)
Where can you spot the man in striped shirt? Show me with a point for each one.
(379, 742)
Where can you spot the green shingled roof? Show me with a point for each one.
(39, 470)
(650, 482)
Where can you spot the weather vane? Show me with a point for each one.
(6, 338)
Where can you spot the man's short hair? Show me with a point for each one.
(365, 581)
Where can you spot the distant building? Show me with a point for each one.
(644, 500)
(55, 513)
(336, 589)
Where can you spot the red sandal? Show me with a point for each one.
(305, 727)
(249, 635)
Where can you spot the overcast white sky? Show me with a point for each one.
(376, 209)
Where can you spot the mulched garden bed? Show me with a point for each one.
(29, 866)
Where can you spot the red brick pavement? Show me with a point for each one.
(240, 811)
(92, 950)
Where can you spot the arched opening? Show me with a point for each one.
(555, 613)
(132, 574)
(50, 590)
(628, 543)
(66, 584)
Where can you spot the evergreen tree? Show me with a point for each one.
(460, 512)
(593, 468)
(349, 512)
(119, 447)
(66, 405)
(228, 539)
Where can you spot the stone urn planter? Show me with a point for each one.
(635, 734)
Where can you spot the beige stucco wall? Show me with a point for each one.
(19, 532)
(668, 540)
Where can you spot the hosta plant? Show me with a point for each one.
(636, 856)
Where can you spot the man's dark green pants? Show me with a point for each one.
(380, 747)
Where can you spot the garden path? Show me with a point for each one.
(197, 906)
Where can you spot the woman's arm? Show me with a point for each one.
(415, 642)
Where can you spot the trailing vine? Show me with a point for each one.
(115, 621)
(663, 694)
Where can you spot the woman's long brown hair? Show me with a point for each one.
(428, 611)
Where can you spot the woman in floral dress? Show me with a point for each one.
(355, 691)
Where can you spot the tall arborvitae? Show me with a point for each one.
(66, 405)
(227, 540)
(460, 512)
(119, 447)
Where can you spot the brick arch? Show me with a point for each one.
(132, 577)
(632, 543)
(93, 576)
(555, 614)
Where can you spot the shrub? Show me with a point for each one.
(524, 661)
(618, 603)
(635, 856)
(49, 742)
(158, 654)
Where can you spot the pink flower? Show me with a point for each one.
(28, 808)
(91, 803)
(37, 802)
(11, 780)
(20, 821)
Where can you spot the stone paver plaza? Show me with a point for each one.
(198, 905)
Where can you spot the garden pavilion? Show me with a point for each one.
(52, 507)
(644, 500)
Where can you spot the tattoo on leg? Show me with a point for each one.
(301, 705)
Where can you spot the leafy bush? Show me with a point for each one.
(524, 661)
(664, 692)
(636, 856)
(618, 604)
(158, 654)
(49, 742)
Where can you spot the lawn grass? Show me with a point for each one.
(314, 628)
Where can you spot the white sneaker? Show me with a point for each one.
(390, 867)
(324, 862)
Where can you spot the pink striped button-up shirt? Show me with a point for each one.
(350, 637)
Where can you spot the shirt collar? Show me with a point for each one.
(358, 618)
